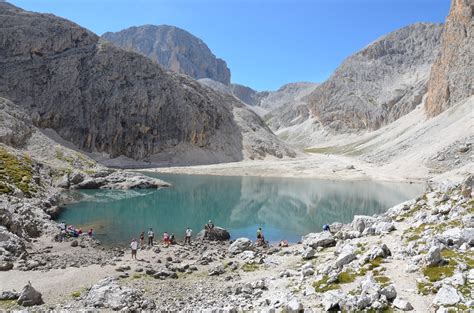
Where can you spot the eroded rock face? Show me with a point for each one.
(451, 78)
(380, 83)
(105, 99)
(174, 49)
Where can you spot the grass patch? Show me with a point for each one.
(16, 171)
(76, 294)
(383, 281)
(136, 276)
(346, 277)
(437, 273)
(375, 263)
(7, 304)
(426, 288)
(323, 285)
(250, 267)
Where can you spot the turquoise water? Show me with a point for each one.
(285, 208)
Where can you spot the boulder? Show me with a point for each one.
(389, 292)
(457, 236)
(402, 304)
(333, 300)
(5, 266)
(308, 253)
(240, 245)
(361, 222)
(382, 228)
(9, 295)
(346, 256)
(216, 270)
(108, 294)
(433, 257)
(323, 239)
(29, 296)
(447, 295)
(466, 187)
(217, 234)
(294, 306)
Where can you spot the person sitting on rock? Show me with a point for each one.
(326, 228)
(90, 232)
(166, 239)
(208, 229)
(134, 247)
(172, 239)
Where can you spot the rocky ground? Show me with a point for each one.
(417, 256)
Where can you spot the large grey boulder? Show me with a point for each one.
(240, 245)
(433, 257)
(446, 295)
(361, 222)
(308, 253)
(402, 304)
(29, 296)
(217, 234)
(333, 300)
(323, 239)
(346, 256)
(5, 266)
(457, 236)
(294, 306)
(108, 294)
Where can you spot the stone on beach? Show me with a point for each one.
(217, 234)
(29, 296)
(240, 245)
(323, 239)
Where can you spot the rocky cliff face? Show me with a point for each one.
(380, 83)
(104, 99)
(452, 75)
(173, 48)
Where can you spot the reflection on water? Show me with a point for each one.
(286, 208)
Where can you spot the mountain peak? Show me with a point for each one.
(173, 48)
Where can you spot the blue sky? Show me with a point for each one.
(266, 43)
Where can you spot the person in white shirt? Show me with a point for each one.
(151, 235)
(187, 236)
(134, 247)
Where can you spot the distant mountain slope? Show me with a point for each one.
(174, 49)
(382, 82)
(452, 76)
(106, 100)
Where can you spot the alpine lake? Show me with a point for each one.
(285, 208)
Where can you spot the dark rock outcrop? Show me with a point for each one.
(452, 75)
(174, 49)
(104, 99)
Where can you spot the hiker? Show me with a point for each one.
(326, 228)
(208, 228)
(79, 232)
(260, 238)
(90, 232)
(172, 239)
(187, 235)
(166, 239)
(134, 247)
(283, 243)
(151, 235)
(62, 226)
(142, 239)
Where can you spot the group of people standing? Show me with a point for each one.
(167, 240)
(170, 239)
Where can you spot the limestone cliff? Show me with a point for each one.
(174, 49)
(382, 82)
(104, 99)
(452, 75)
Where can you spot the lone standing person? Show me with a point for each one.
(187, 235)
(151, 235)
(208, 229)
(142, 240)
(134, 247)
